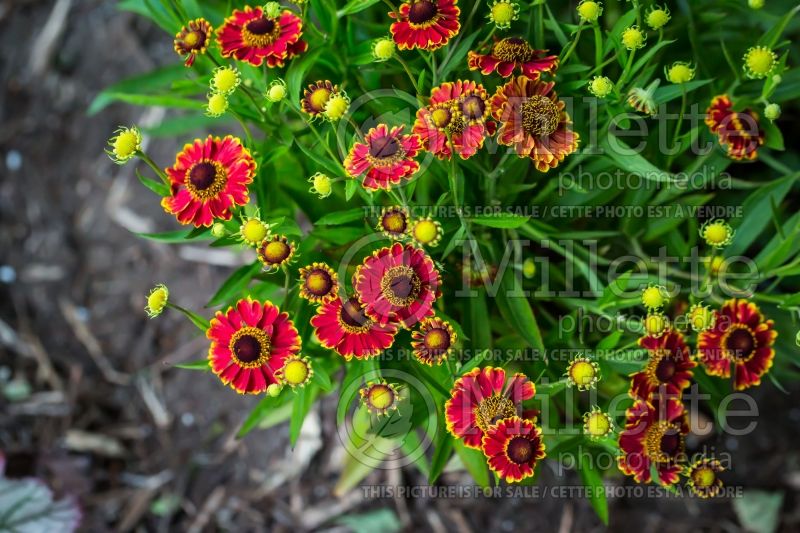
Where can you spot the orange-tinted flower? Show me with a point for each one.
(346, 328)
(482, 397)
(654, 437)
(668, 369)
(254, 37)
(703, 477)
(513, 446)
(193, 40)
(385, 159)
(393, 222)
(426, 24)
(433, 341)
(399, 283)
(512, 53)
(250, 343)
(208, 178)
(534, 122)
(740, 342)
(739, 133)
(457, 110)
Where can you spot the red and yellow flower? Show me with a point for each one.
(738, 132)
(380, 397)
(425, 24)
(512, 53)
(740, 342)
(253, 36)
(481, 398)
(513, 446)
(193, 40)
(669, 367)
(399, 283)
(250, 343)
(318, 283)
(703, 477)
(275, 252)
(534, 122)
(316, 96)
(385, 158)
(654, 437)
(455, 118)
(343, 326)
(393, 222)
(208, 178)
(433, 341)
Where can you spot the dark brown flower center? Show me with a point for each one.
(670, 444)
(400, 285)
(247, 348)
(741, 343)
(394, 222)
(261, 26)
(353, 315)
(540, 116)
(520, 450)
(202, 175)
(513, 49)
(665, 369)
(473, 107)
(384, 147)
(422, 11)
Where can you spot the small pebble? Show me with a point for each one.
(13, 160)
(7, 274)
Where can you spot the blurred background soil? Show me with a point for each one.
(90, 401)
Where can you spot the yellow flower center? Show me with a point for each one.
(540, 116)
(716, 233)
(589, 11)
(276, 252)
(394, 222)
(192, 38)
(760, 61)
(583, 373)
(503, 13)
(254, 231)
(652, 297)
(319, 282)
(601, 86)
(217, 104)
(276, 92)
(680, 73)
(633, 38)
(383, 49)
(126, 143)
(322, 184)
(425, 231)
(380, 397)
(701, 318)
(437, 340)
(157, 300)
(336, 107)
(657, 18)
(597, 424)
(704, 477)
(319, 97)
(225, 79)
(295, 372)
(441, 117)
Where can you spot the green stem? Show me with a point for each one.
(598, 46)
(160, 173)
(574, 43)
(538, 39)
(677, 131)
(410, 76)
(245, 127)
(623, 78)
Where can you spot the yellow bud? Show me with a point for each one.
(383, 49)
(601, 86)
(589, 10)
(633, 38)
(680, 73)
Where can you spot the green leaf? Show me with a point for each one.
(593, 480)
(261, 411)
(354, 6)
(297, 71)
(200, 364)
(152, 81)
(383, 520)
(442, 450)
(501, 220)
(303, 400)
(158, 187)
(756, 209)
(235, 283)
(627, 159)
(759, 511)
(475, 463)
(671, 92)
(171, 237)
(771, 37)
(199, 321)
(27, 505)
(516, 310)
(157, 100)
(341, 217)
